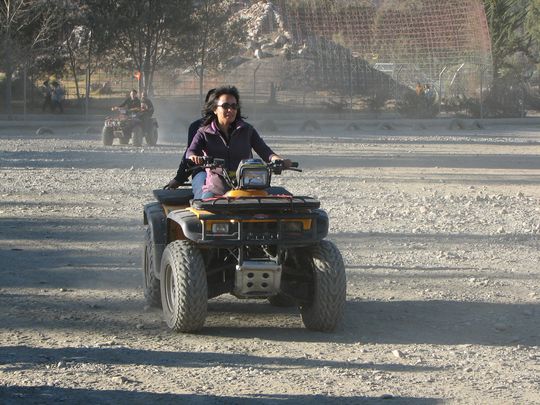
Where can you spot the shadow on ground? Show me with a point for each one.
(55, 395)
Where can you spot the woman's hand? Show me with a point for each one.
(198, 160)
(287, 163)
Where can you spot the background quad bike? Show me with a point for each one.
(130, 128)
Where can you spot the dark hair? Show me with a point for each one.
(211, 104)
(209, 94)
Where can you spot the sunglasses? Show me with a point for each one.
(227, 106)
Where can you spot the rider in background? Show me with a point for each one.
(147, 110)
(130, 103)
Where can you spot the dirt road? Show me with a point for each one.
(439, 230)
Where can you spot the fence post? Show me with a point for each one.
(255, 89)
(25, 71)
(440, 88)
(398, 71)
(481, 92)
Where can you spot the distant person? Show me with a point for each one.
(419, 89)
(429, 94)
(182, 175)
(57, 97)
(132, 102)
(47, 96)
(147, 110)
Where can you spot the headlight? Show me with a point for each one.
(254, 178)
(293, 227)
(220, 228)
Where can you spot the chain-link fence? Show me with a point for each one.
(339, 56)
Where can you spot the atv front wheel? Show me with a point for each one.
(152, 137)
(326, 308)
(152, 292)
(107, 135)
(137, 136)
(184, 290)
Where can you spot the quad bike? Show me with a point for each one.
(255, 241)
(126, 125)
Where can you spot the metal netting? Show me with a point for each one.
(338, 54)
(306, 49)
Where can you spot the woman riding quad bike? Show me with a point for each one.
(255, 241)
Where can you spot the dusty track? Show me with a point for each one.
(440, 233)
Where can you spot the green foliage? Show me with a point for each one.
(417, 106)
(507, 21)
(144, 34)
(216, 35)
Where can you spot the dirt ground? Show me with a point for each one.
(439, 231)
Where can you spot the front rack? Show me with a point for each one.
(272, 202)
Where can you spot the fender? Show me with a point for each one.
(155, 218)
(190, 226)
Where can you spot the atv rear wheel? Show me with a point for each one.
(152, 292)
(152, 137)
(107, 135)
(184, 289)
(325, 311)
(137, 136)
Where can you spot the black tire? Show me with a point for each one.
(184, 290)
(325, 311)
(126, 136)
(281, 301)
(152, 291)
(152, 137)
(107, 135)
(137, 136)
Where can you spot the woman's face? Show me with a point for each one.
(226, 109)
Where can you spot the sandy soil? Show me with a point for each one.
(439, 230)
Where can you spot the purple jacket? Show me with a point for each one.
(209, 141)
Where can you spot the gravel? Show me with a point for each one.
(440, 235)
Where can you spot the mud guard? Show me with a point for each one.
(190, 224)
(155, 218)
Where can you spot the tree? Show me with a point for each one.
(217, 35)
(506, 21)
(145, 33)
(25, 31)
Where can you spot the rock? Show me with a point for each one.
(456, 124)
(501, 230)
(500, 326)
(386, 126)
(386, 396)
(398, 353)
(44, 131)
(267, 125)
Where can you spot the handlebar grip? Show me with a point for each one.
(294, 164)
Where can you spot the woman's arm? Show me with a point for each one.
(196, 148)
(259, 146)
